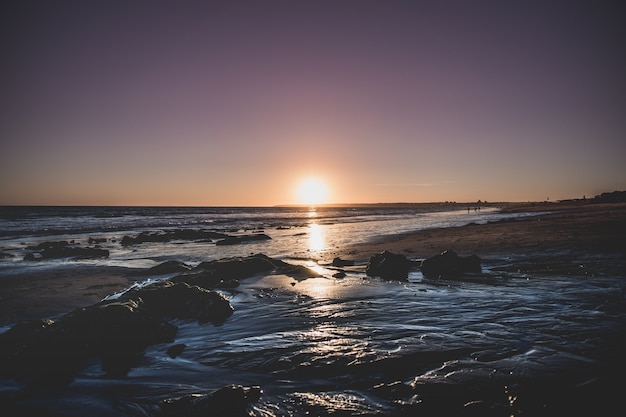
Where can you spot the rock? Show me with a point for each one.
(182, 301)
(48, 245)
(340, 274)
(175, 350)
(226, 273)
(63, 249)
(229, 401)
(449, 265)
(338, 262)
(117, 331)
(74, 252)
(167, 267)
(236, 240)
(389, 266)
(178, 234)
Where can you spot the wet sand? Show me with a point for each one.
(580, 228)
(51, 292)
(583, 228)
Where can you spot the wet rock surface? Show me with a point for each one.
(63, 249)
(389, 266)
(450, 265)
(228, 401)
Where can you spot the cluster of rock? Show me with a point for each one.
(395, 267)
(168, 236)
(118, 331)
(63, 249)
(226, 273)
(192, 235)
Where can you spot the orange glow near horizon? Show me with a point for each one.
(312, 191)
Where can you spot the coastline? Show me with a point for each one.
(566, 227)
(564, 233)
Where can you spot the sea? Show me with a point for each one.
(508, 343)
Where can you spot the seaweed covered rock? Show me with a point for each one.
(389, 266)
(450, 265)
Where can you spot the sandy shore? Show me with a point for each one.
(56, 291)
(581, 228)
(578, 227)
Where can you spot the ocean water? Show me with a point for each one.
(509, 343)
(295, 232)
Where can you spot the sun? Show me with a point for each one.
(312, 191)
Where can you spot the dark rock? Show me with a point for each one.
(389, 266)
(182, 301)
(449, 265)
(74, 252)
(47, 352)
(236, 240)
(33, 256)
(5, 255)
(48, 245)
(340, 274)
(175, 350)
(63, 249)
(338, 262)
(178, 234)
(168, 267)
(226, 273)
(229, 284)
(229, 401)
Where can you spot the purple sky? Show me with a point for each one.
(233, 103)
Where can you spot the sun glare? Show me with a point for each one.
(312, 191)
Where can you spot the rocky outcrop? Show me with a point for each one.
(340, 263)
(167, 236)
(167, 267)
(237, 240)
(450, 265)
(117, 332)
(226, 273)
(389, 266)
(63, 249)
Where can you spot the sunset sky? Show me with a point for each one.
(237, 102)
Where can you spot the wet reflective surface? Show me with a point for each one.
(508, 344)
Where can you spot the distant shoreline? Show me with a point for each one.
(569, 226)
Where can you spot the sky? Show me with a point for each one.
(234, 103)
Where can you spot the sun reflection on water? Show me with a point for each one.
(317, 240)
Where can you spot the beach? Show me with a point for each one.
(540, 325)
(569, 227)
(559, 231)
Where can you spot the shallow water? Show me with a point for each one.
(511, 342)
(327, 346)
(294, 232)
